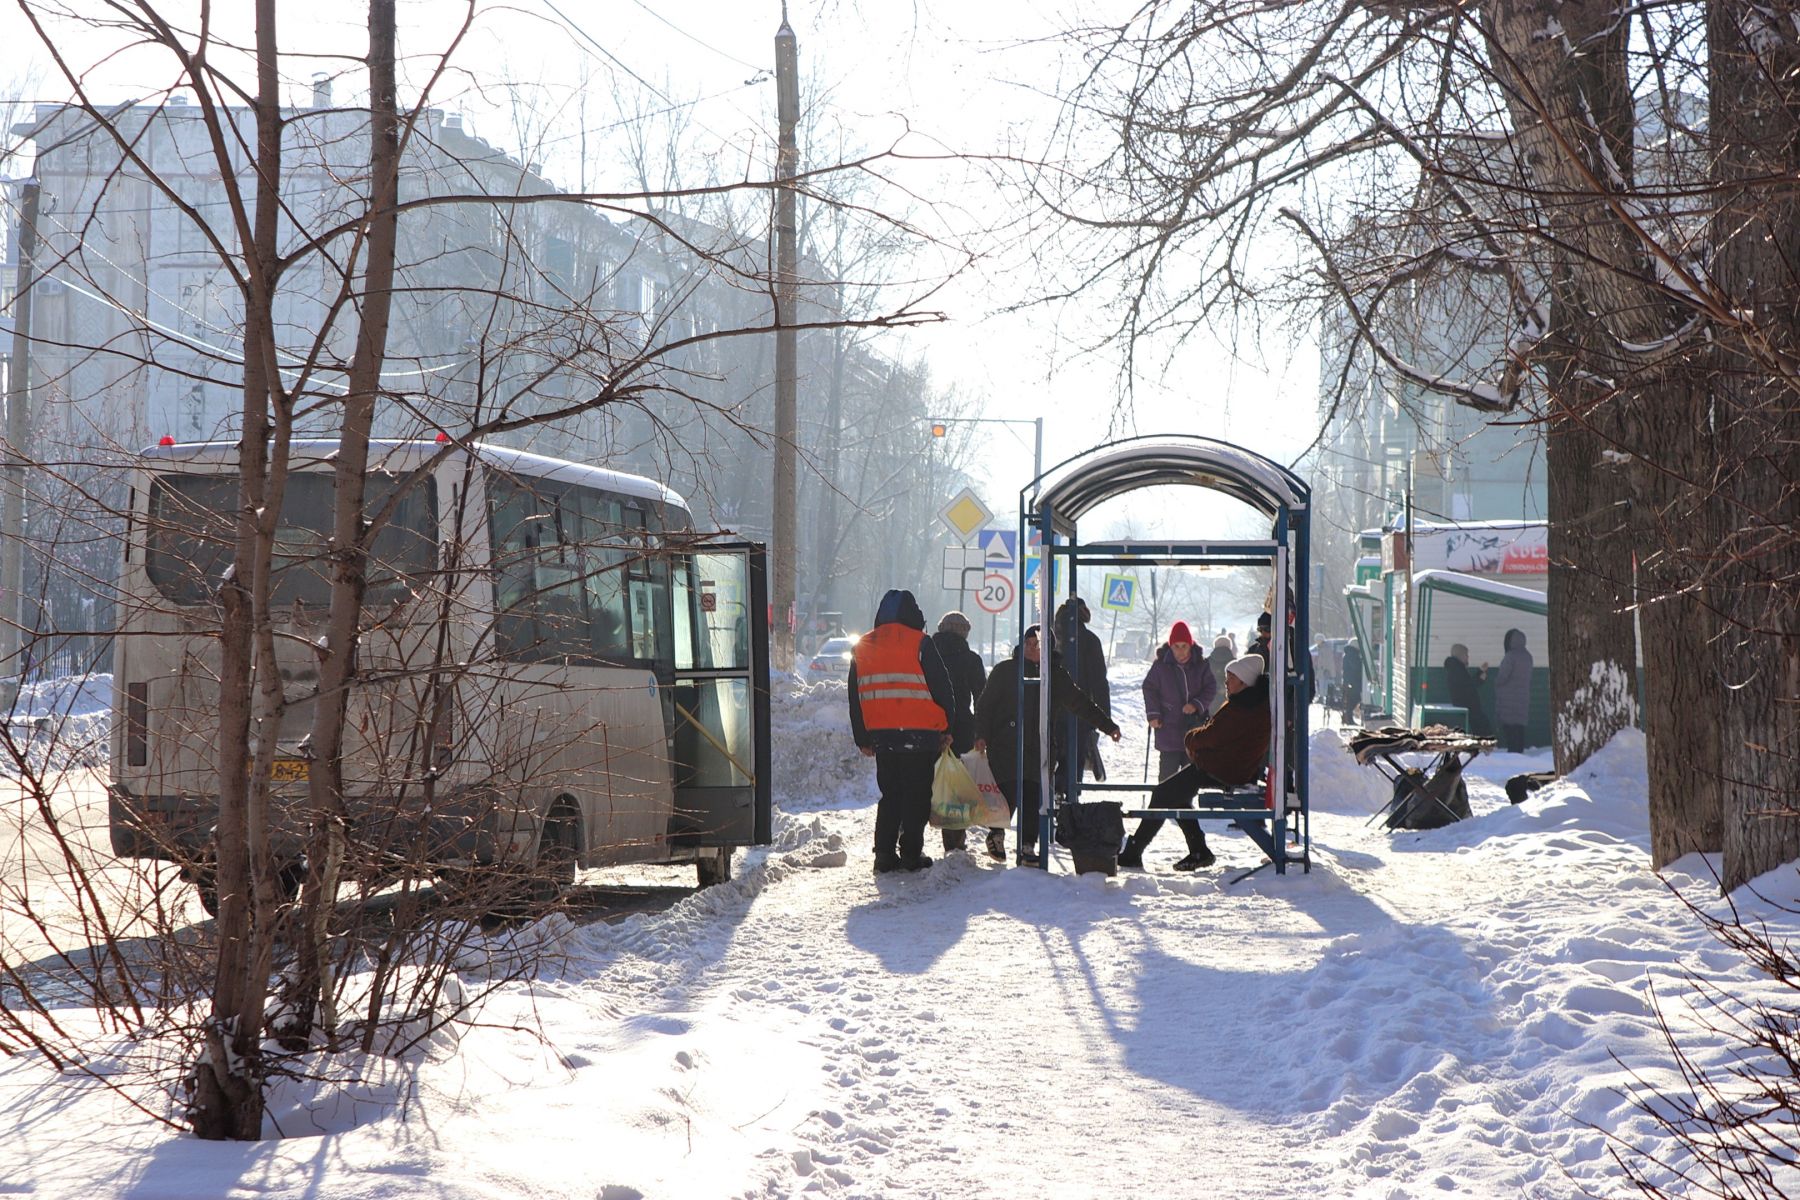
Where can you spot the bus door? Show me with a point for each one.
(721, 697)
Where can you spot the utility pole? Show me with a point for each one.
(18, 433)
(787, 423)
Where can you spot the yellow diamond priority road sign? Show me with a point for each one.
(965, 513)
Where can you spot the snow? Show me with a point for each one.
(1479, 583)
(1457, 1011)
(61, 723)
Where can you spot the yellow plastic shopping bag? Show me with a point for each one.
(955, 800)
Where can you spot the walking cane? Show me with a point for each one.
(1149, 739)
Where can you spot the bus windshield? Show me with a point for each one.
(192, 537)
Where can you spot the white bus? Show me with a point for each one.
(555, 670)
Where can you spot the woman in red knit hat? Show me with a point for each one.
(1178, 693)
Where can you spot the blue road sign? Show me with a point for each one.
(999, 548)
(1120, 593)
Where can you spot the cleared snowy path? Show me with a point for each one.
(1426, 1014)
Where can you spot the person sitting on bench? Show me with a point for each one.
(1225, 753)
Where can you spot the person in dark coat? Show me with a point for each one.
(1072, 617)
(1227, 752)
(1218, 660)
(1463, 683)
(1260, 647)
(998, 732)
(1512, 692)
(968, 674)
(1178, 696)
(901, 699)
(1350, 687)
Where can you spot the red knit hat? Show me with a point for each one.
(1178, 632)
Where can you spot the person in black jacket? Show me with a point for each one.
(967, 676)
(998, 732)
(1462, 684)
(1072, 617)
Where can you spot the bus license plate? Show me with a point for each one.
(289, 770)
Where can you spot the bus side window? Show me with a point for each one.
(603, 558)
(539, 612)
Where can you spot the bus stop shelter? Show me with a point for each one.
(1275, 815)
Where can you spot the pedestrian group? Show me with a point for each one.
(913, 696)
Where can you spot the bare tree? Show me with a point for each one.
(1547, 159)
(378, 271)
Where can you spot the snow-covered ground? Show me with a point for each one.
(1450, 1012)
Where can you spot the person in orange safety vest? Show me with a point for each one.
(901, 698)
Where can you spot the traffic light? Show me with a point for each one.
(939, 429)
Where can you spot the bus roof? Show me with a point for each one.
(407, 455)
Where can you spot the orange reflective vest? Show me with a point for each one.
(890, 683)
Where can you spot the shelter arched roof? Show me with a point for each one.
(1077, 485)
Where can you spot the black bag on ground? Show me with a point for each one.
(1092, 833)
(1421, 803)
(1098, 826)
(1521, 786)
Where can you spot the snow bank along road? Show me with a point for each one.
(1423, 1014)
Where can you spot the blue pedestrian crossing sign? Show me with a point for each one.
(1120, 593)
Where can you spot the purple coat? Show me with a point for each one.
(1169, 686)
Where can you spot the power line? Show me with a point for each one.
(696, 40)
(589, 38)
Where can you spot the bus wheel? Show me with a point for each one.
(714, 868)
(288, 878)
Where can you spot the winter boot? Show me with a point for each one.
(1132, 855)
(1199, 859)
(918, 863)
(996, 845)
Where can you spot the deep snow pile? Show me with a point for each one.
(1423, 1013)
(60, 724)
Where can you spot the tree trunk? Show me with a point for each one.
(1754, 121)
(1681, 684)
(1593, 676)
(313, 991)
(1572, 116)
(228, 1079)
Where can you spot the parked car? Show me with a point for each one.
(833, 657)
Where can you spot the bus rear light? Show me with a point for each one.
(137, 720)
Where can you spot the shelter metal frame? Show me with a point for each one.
(1050, 507)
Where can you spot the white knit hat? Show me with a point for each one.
(1248, 669)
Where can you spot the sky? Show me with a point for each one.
(935, 78)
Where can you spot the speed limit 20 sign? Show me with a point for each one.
(996, 593)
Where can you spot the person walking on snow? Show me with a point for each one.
(1178, 695)
(968, 674)
(998, 733)
(901, 699)
(1226, 752)
(1512, 692)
